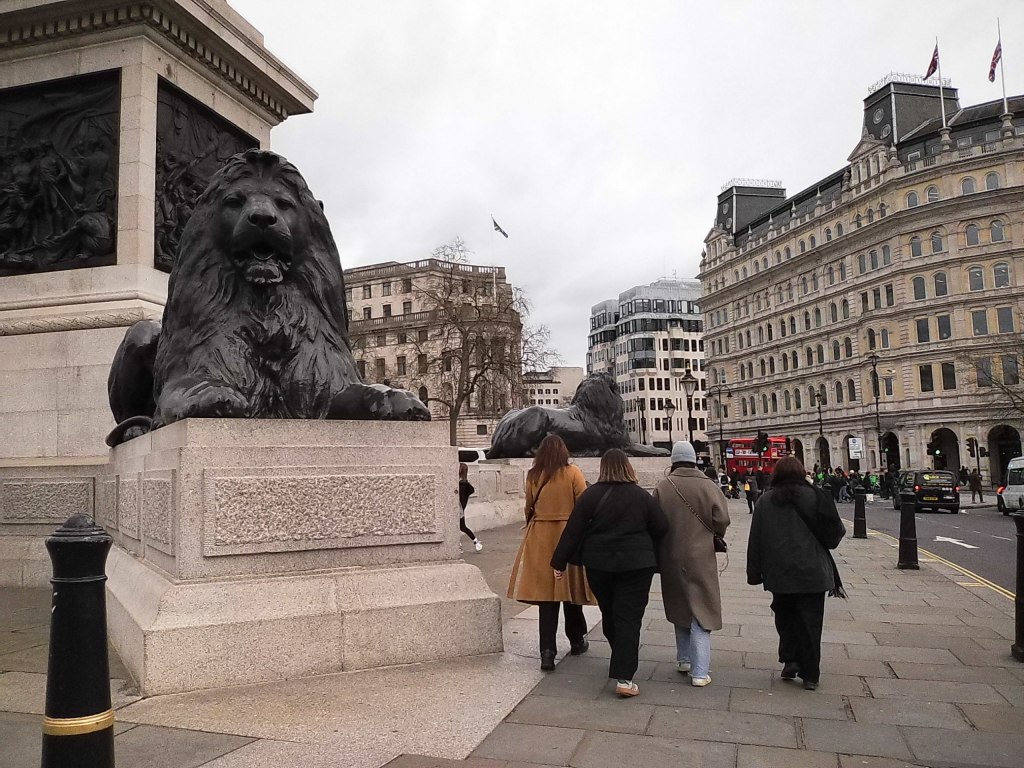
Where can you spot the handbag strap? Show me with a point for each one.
(680, 494)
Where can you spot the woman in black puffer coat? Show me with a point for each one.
(794, 527)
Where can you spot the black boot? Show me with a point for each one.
(790, 670)
(580, 647)
(547, 660)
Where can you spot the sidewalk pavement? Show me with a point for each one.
(916, 672)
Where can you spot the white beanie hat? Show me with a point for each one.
(683, 451)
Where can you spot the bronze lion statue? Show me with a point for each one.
(591, 424)
(256, 323)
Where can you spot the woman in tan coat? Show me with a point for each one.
(696, 511)
(552, 487)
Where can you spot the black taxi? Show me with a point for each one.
(934, 489)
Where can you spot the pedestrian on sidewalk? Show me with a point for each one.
(752, 490)
(552, 487)
(613, 532)
(974, 483)
(697, 512)
(794, 527)
(466, 490)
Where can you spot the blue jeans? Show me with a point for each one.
(693, 644)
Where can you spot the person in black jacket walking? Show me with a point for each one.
(613, 531)
(794, 527)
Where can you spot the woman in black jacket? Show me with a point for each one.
(793, 528)
(613, 531)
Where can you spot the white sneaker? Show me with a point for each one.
(683, 667)
(478, 545)
(700, 682)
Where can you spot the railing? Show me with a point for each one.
(412, 318)
(364, 273)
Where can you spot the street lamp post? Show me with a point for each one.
(642, 404)
(716, 392)
(670, 411)
(816, 400)
(690, 383)
(873, 359)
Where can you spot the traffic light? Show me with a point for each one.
(983, 452)
(933, 449)
(972, 446)
(761, 443)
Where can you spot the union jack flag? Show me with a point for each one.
(934, 65)
(996, 57)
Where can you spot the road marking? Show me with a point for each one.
(955, 541)
(1001, 537)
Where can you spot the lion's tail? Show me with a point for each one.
(503, 434)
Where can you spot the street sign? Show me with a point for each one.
(856, 448)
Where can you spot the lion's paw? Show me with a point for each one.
(206, 400)
(389, 404)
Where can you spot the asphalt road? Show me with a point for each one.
(990, 538)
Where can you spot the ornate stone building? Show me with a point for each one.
(407, 330)
(649, 339)
(882, 302)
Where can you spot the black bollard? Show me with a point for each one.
(78, 728)
(860, 521)
(1017, 649)
(908, 537)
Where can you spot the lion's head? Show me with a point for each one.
(257, 231)
(598, 395)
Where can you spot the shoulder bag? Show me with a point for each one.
(533, 507)
(574, 559)
(720, 545)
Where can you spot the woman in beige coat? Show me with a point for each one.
(552, 487)
(696, 511)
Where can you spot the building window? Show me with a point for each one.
(836, 354)
(851, 391)
(937, 242)
(948, 376)
(945, 327)
(403, 337)
(992, 181)
(407, 285)
(941, 288)
(876, 295)
(839, 392)
(803, 246)
(983, 372)
(387, 310)
(817, 317)
(796, 399)
(361, 367)
(923, 334)
(925, 374)
(401, 365)
(385, 289)
(932, 193)
(380, 368)
(846, 309)
(367, 313)
(871, 338)
(859, 221)
(848, 346)
(885, 338)
(864, 306)
(861, 264)
(979, 322)
(1011, 371)
(1004, 319)
(406, 307)
(421, 334)
(886, 256)
(789, 253)
(787, 400)
(967, 186)
(382, 339)
(976, 279)
(1001, 274)
(874, 259)
(890, 296)
(367, 291)
(814, 241)
(972, 232)
(997, 231)
(881, 210)
(421, 363)
(833, 313)
(912, 200)
(915, 246)
(481, 429)
(807, 321)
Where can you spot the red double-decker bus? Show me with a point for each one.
(741, 456)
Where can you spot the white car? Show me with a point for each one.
(1010, 496)
(472, 455)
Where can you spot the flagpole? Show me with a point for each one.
(1002, 67)
(942, 98)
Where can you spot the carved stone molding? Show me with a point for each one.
(44, 500)
(175, 25)
(80, 321)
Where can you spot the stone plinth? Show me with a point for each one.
(259, 550)
(649, 470)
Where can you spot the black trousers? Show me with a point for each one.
(622, 597)
(752, 500)
(798, 619)
(575, 624)
(465, 529)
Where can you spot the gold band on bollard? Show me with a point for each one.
(76, 726)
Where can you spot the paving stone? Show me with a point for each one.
(897, 653)
(935, 690)
(995, 718)
(1013, 693)
(855, 738)
(530, 744)
(909, 671)
(571, 685)
(650, 637)
(601, 750)
(928, 714)
(982, 658)
(17, 641)
(773, 757)
(149, 746)
(609, 714)
(843, 685)
(598, 666)
(867, 761)
(724, 677)
(422, 761)
(34, 658)
(814, 704)
(998, 750)
(928, 640)
(732, 727)
(680, 693)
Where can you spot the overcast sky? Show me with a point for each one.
(597, 133)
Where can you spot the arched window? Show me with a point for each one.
(744, 273)
(803, 246)
(932, 193)
(789, 290)
(858, 221)
(997, 231)
(833, 313)
(782, 329)
(885, 338)
(757, 267)
(789, 253)
(750, 370)
(736, 276)
(778, 294)
(763, 368)
(760, 335)
(839, 230)
(874, 259)
(814, 242)
(785, 362)
(967, 186)
(828, 234)
(851, 391)
(976, 279)
(814, 281)
(821, 354)
(848, 346)
(992, 181)
(831, 275)
(817, 317)
(881, 210)
(846, 310)
(871, 338)
(787, 400)
(764, 403)
(823, 394)
(757, 302)
(839, 392)
(796, 397)
(807, 321)
(886, 256)
(803, 285)
(809, 357)
(792, 324)
(836, 354)
(941, 288)
(743, 404)
(842, 270)
(778, 257)
(771, 365)
(422, 395)
(912, 201)
(775, 403)
(795, 358)
(919, 289)
(937, 242)
(871, 215)
(973, 234)
(769, 327)
(862, 265)
(915, 246)
(764, 263)
(1001, 274)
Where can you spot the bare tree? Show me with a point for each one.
(996, 369)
